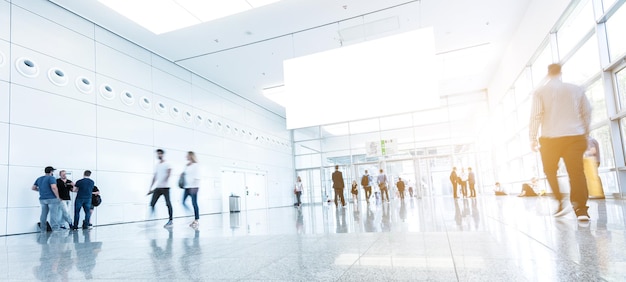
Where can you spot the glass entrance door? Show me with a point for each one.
(312, 183)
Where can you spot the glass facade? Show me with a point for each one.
(491, 136)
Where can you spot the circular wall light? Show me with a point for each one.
(57, 76)
(84, 85)
(2, 59)
(160, 108)
(187, 116)
(209, 123)
(228, 129)
(218, 125)
(145, 103)
(106, 91)
(127, 98)
(27, 67)
(174, 112)
(199, 120)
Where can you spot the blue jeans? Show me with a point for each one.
(52, 206)
(64, 212)
(193, 192)
(86, 205)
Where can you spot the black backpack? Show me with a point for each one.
(365, 181)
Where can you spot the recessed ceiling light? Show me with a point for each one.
(179, 13)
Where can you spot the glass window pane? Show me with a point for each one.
(577, 25)
(397, 121)
(606, 4)
(363, 126)
(523, 86)
(539, 67)
(603, 137)
(430, 116)
(595, 93)
(306, 133)
(620, 82)
(335, 130)
(308, 161)
(584, 64)
(615, 30)
(307, 147)
(432, 132)
(335, 143)
(622, 123)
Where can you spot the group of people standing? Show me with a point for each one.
(54, 197)
(463, 179)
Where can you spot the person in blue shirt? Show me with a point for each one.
(48, 198)
(83, 199)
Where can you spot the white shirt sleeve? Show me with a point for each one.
(192, 176)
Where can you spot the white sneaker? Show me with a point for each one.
(168, 224)
(583, 217)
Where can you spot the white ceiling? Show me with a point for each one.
(244, 52)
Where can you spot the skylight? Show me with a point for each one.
(161, 16)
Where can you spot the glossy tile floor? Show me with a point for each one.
(487, 238)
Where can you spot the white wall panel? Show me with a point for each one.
(113, 124)
(206, 101)
(58, 15)
(40, 148)
(171, 68)
(124, 157)
(4, 178)
(122, 45)
(44, 110)
(4, 102)
(50, 38)
(171, 86)
(4, 144)
(42, 82)
(119, 101)
(231, 110)
(3, 231)
(21, 181)
(5, 21)
(23, 220)
(209, 144)
(5, 60)
(123, 67)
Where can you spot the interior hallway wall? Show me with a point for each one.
(92, 100)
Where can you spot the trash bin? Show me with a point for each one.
(234, 203)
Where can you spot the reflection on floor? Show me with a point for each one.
(435, 239)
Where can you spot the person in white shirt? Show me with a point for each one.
(563, 113)
(192, 183)
(298, 190)
(160, 185)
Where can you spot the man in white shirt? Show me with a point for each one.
(382, 184)
(564, 113)
(160, 185)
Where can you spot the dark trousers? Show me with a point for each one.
(157, 194)
(455, 187)
(298, 194)
(401, 192)
(571, 149)
(464, 188)
(193, 192)
(339, 193)
(368, 192)
(472, 190)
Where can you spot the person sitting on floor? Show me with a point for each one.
(528, 189)
(498, 190)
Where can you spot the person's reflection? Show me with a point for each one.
(402, 211)
(340, 219)
(602, 219)
(588, 252)
(475, 214)
(357, 216)
(51, 255)
(299, 222)
(192, 257)
(385, 222)
(162, 257)
(369, 220)
(457, 214)
(86, 253)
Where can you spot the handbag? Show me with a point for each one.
(181, 181)
(96, 200)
